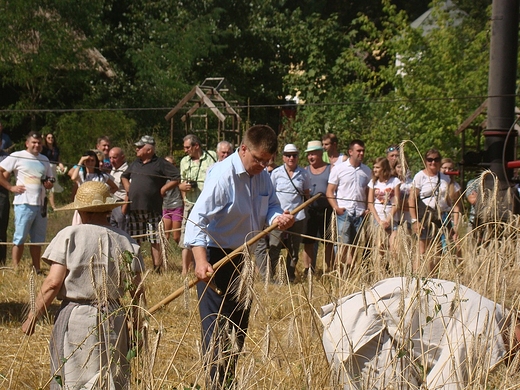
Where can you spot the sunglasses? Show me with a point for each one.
(392, 148)
(432, 159)
(291, 155)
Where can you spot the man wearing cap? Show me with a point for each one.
(292, 185)
(194, 167)
(119, 165)
(33, 176)
(92, 266)
(392, 154)
(320, 211)
(347, 193)
(146, 183)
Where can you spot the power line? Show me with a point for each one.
(278, 106)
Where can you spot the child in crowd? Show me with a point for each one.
(173, 209)
(383, 197)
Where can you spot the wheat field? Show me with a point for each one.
(283, 349)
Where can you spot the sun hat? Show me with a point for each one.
(145, 139)
(313, 145)
(93, 196)
(290, 148)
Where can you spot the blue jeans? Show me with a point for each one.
(348, 227)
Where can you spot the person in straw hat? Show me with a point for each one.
(292, 184)
(319, 212)
(92, 266)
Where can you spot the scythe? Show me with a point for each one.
(227, 258)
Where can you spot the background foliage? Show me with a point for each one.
(337, 57)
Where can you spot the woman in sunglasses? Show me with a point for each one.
(429, 198)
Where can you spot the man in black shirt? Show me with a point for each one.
(149, 175)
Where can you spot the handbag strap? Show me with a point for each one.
(296, 188)
(435, 189)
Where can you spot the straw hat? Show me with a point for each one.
(93, 196)
(313, 145)
(290, 148)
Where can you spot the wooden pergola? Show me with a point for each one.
(195, 106)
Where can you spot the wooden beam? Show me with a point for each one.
(228, 108)
(207, 101)
(471, 118)
(195, 107)
(179, 105)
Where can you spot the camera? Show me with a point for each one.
(193, 184)
(48, 179)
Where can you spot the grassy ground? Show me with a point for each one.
(283, 349)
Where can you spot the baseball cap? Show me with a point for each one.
(145, 139)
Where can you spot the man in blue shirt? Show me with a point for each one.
(292, 185)
(238, 199)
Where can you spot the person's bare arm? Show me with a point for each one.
(4, 182)
(412, 203)
(49, 290)
(168, 186)
(371, 207)
(395, 201)
(331, 197)
(126, 184)
(112, 185)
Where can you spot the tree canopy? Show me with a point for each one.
(358, 69)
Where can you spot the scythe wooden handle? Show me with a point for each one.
(227, 258)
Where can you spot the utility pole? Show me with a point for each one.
(499, 140)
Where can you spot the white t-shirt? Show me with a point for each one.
(101, 177)
(352, 183)
(433, 190)
(29, 171)
(384, 197)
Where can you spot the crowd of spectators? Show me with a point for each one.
(353, 193)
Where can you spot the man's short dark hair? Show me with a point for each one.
(33, 134)
(356, 142)
(330, 136)
(194, 140)
(261, 138)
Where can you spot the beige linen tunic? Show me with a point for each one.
(403, 333)
(89, 342)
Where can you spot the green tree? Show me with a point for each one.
(45, 60)
(358, 90)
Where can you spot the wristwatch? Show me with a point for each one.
(413, 220)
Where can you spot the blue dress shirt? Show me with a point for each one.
(232, 205)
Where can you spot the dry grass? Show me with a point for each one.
(283, 349)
